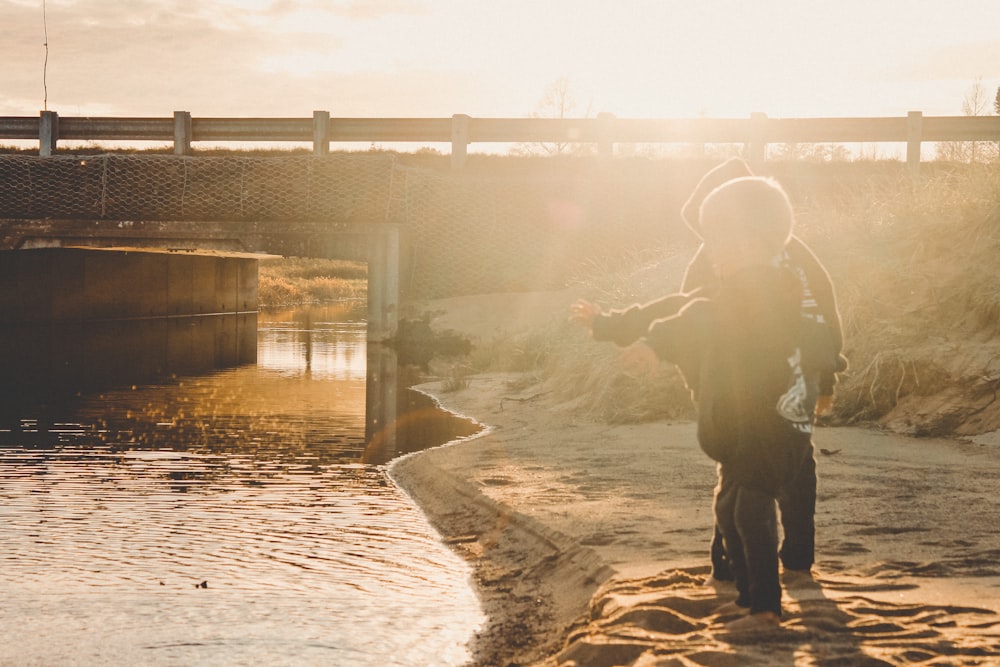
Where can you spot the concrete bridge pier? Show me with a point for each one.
(47, 285)
(383, 282)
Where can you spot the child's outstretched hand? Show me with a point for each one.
(640, 360)
(583, 313)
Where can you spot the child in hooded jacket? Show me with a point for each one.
(798, 504)
(753, 362)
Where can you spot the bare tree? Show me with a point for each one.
(975, 103)
(558, 101)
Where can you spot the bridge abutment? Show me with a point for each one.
(47, 285)
(77, 318)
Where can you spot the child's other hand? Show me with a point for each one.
(824, 405)
(639, 359)
(583, 313)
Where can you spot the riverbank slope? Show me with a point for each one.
(589, 540)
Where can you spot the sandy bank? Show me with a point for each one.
(589, 542)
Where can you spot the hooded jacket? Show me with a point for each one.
(818, 299)
(752, 362)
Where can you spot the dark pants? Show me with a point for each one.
(797, 503)
(748, 521)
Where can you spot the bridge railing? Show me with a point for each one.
(606, 130)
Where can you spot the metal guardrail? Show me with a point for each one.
(460, 130)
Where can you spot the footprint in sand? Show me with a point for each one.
(675, 618)
(846, 549)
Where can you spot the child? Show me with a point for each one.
(752, 362)
(798, 505)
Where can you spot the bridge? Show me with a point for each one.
(221, 210)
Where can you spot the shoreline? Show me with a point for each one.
(533, 581)
(589, 542)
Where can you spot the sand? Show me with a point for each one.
(589, 542)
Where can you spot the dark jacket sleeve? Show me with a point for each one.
(682, 337)
(826, 301)
(626, 326)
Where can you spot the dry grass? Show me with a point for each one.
(914, 263)
(297, 281)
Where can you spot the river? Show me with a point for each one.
(213, 491)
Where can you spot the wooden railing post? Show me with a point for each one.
(605, 141)
(914, 133)
(321, 132)
(757, 143)
(48, 133)
(182, 132)
(459, 140)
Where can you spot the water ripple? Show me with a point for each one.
(223, 519)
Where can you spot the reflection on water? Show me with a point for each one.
(167, 502)
(47, 364)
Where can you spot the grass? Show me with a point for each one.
(914, 265)
(300, 281)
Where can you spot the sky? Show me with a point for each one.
(496, 58)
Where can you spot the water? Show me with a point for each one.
(204, 495)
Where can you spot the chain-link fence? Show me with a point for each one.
(463, 233)
(165, 187)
